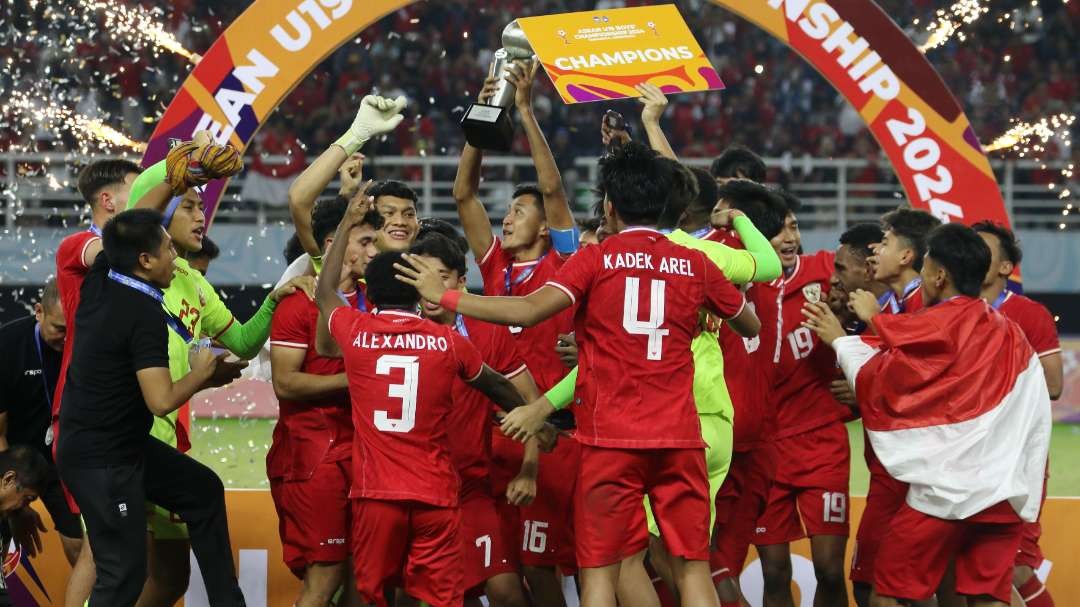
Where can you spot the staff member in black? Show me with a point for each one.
(118, 380)
(30, 350)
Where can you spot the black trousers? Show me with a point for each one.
(112, 500)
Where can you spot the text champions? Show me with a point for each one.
(673, 53)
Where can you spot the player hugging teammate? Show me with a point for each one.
(424, 449)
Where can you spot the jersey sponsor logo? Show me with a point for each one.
(812, 292)
(399, 341)
(644, 261)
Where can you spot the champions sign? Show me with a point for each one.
(921, 128)
(602, 55)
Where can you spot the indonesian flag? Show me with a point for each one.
(956, 405)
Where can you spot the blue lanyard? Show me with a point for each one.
(1000, 299)
(459, 326)
(140, 286)
(897, 306)
(523, 276)
(93, 229)
(361, 301)
(41, 359)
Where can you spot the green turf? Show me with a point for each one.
(236, 449)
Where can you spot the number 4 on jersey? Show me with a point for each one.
(651, 327)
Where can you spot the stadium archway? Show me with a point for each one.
(917, 121)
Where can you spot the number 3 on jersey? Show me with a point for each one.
(651, 327)
(405, 391)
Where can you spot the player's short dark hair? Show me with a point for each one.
(681, 187)
(442, 248)
(913, 225)
(101, 174)
(590, 224)
(762, 206)
(630, 178)
(293, 249)
(393, 187)
(793, 203)
(383, 289)
(326, 215)
(434, 225)
(50, 294)
(32, 470)
(130, 234)
(963, 253)
(209, 251)
(1010, 246)
(530, 189)
(707, 193)
(861, 238)
(738, 162)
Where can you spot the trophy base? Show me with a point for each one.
(488, 127)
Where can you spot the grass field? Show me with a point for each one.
(236, 449)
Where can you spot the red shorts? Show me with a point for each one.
(314, 517)
(1030, 554)
(546, 526)
(741, 500)
(415, 543)
(485, 551)
(608, 512)
(55, 428)
(918, 549)
(883, 500)
(811, 482)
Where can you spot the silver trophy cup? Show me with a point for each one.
(489, 125)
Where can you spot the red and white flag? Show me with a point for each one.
(955, 403)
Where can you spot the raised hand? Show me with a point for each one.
(302, 283)
(350, 173)
(377, 115)
(522, 73)
(610, 130)
(524, 422)
(421, 275)
(654, 100)
(490, 84)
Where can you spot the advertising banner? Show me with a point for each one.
(602, 55)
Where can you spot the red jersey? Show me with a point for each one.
(401, 371)
(470, 419)
(638, 295)
(724, 236)
(503, 276)
(312, 432)
(749, 365)
(805, 367)
(70, 271)
(1034, 320)
(909, 302)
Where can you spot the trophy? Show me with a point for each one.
(488, 125)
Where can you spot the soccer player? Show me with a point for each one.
(30, 355)
(637, 422)
(809, 491)
(308, 462)
(489, 548)
(193, 300)
(1038, 326)
(692, 195)
(400, 370)
(897, 262)
(984, 448)
(538, 233)
(104, 185)
(118, 381)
